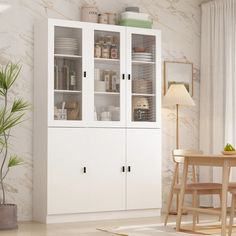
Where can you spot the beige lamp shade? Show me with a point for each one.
(177, 94)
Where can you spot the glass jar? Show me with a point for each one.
(109, 39)
(105, 50)
(113, 81)
(106, 77)
(114, 51)
(97, 50)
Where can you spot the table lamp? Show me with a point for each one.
(177, 95)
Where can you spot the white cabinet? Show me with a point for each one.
(97, 120)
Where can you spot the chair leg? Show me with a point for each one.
(198, 204)
(169, 203)
(231, 215)
(194, 203)
(171, 193)
(220, 196)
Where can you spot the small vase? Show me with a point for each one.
(8, 216)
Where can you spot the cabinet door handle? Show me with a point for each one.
(85, 74)
(129, 76)
(129, 168)
(84, 170)
(123, 76)
(123, 168)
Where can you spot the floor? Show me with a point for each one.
(81, 229)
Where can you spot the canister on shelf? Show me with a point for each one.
(111, 18)
(105, 50)
(97, 50)
(103, 18)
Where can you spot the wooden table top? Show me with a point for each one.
(210, 159)
(209, 156)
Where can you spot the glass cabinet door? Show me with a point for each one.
(108, 84)
(67, 74)
(142, 79)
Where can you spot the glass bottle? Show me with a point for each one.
(114, 51)
(106, 77)
(72, 84)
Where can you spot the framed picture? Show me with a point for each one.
(178, 73)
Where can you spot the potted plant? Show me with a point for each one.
(11, 114)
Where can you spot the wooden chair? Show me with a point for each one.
(194, 188)
(232, 211)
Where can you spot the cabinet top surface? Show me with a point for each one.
(72, 23)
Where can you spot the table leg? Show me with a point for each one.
(182, 192)
(225, 183)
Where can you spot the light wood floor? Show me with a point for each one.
(81, 229)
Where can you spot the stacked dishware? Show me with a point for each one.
(142, 86)
(142, 56)
(66, 46)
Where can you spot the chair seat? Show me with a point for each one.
(200, 186)
(232, 185)
(233, 191)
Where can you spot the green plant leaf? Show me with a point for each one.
(19, 105)
(8, 75)
(14, 161)
(12, 71)
(10, 122)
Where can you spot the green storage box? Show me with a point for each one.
(136, 23)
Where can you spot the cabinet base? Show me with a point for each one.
(101, 216)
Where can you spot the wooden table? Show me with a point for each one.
(226, 162)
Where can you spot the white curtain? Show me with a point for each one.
(218, 79)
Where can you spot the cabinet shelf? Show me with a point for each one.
(143, 62)
(69, 56)
(107, 60)
(106, 93)
(144, 94)
(67, 91)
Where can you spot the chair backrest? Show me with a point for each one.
(178, 158)
(178, 154)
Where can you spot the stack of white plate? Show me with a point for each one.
(142, 86)
(66, 46)
(142, 56)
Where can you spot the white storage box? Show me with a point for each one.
(135, 15)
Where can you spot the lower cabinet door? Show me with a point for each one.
(85, 170)
(144, 168)
(68, 185)
(107, 157)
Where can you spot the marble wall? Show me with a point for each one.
(179, 21)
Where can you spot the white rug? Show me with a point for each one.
(145, 230)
